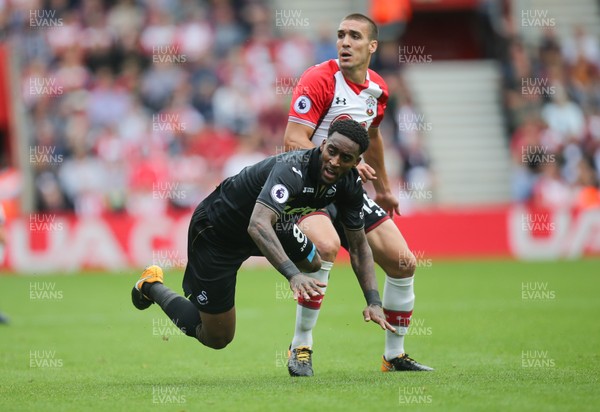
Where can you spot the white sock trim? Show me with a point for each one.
(322, 275)
(306, 318)
(325, 265)
(400, 281)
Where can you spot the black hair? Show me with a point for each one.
(374, 31)
(353, 131)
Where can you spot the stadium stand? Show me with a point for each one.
(134, 99)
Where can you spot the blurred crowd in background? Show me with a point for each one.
(143, 106)
(552, 96)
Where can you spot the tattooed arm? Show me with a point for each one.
(262, 233)
(361, 258)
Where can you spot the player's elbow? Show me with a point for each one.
(289, 143)
(254, 229)
(292, 140)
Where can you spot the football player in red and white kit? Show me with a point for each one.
(340, 89)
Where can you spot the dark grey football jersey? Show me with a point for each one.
(290, 185)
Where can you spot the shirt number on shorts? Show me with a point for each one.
(298, 234)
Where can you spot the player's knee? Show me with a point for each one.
(407, 263)
(219, 342)
(328, 248)
(396, 265)
(310, 266)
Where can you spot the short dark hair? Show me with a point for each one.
(374, 31)
(353, 131)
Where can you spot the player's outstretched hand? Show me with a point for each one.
(306, 286)
(375, 314)
(366, 172)
(388, 202)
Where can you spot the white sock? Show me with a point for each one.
(307, 312)
(398, 304)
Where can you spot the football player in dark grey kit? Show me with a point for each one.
(253, 213)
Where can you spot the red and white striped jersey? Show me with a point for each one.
(323, 96)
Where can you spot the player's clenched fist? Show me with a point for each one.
(305, 286)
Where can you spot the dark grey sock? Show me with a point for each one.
(180, 310)
(159, 293)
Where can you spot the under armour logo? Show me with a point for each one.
(342, 100)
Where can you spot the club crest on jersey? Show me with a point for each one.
(302, 104)
(371, 103)
(279, 193)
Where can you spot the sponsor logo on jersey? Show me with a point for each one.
(299, 211)
(342, 116)
(345, 116)
(340, 100)
(302, 104)
(308, 190)
(279, 193)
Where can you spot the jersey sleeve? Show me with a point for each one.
(312, 95)
(350, 204)
(282, 185)
(381, 101)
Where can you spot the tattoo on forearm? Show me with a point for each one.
(269, 244)
(264, 236)
(361, 259)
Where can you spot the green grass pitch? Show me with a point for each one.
(502, 335)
